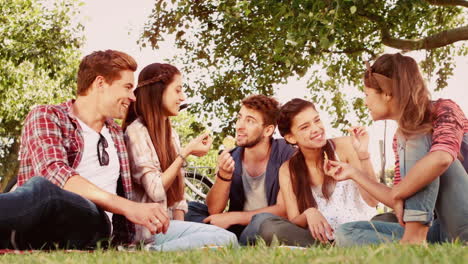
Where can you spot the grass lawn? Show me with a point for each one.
(384, 254)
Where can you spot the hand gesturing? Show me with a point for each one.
(359, 139)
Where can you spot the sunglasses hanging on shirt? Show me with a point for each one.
(103, 156)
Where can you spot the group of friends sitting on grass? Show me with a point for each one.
(85, 181)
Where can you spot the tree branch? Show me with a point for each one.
(347, 51)
(448, 2)
(434, 41)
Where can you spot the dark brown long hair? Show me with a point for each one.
(300, 177)
(408, 89)
(152, 81)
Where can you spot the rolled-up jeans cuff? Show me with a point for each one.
(422, 217)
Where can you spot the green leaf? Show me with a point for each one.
(39, 57)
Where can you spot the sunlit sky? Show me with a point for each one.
(117, 24)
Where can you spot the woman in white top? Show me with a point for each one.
(156, 160)
(315, 203)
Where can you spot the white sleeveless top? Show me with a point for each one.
(345, 204)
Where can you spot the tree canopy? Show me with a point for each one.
(39, 56)
(233, 48)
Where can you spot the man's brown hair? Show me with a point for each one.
(107, 64)
(267, 106)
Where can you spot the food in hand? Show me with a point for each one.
(205, 139)
(352, 130)
(229, 142)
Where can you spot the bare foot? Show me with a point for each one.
(415, 233)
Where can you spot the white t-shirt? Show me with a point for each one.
(104, 177)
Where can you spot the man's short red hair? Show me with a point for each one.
(107, 64)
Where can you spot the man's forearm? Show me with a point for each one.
(425, 171)
(107, 201)
(274, 209)
(218, 196)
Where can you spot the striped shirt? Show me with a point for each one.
(449, 126)
(52, 147)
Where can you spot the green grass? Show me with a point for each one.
(383, 254)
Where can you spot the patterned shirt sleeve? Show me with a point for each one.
(146, 169)
(448, 127)
(180, 205)
(397, 176)
(43, 139)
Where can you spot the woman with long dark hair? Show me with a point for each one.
(315, 203)
(431, 147)
(156, 160)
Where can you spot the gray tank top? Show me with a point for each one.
(254, 190)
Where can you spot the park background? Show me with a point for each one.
(41, 43)
(121, 26)
(82, 27)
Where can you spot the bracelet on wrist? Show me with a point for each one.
(222, 178)
(184, 161)
(365, 156)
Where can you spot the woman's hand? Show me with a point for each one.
(318, 225)
(340, 171)
(150, 215)
(360, 141)
(198, 146)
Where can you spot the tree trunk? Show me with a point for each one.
(10, 163)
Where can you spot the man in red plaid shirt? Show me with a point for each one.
(74, 179)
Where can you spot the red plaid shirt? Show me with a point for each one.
(52, 147)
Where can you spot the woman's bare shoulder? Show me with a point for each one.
(344, 146)
(284, 167)
(343, 142)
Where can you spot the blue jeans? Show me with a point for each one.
(447, 195)
(183, 235)
(41, 215)
(246, 234)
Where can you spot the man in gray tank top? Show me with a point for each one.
(254, 190)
